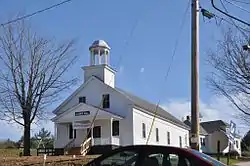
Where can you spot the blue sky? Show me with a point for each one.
(150, 47)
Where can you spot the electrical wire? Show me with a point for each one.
(240, 7)
(229, 15)
(240, 29)
(241, 2)
(34, 13)
(118, 64)
(169, 68)
(233, 24)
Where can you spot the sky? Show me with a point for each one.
(142, 36)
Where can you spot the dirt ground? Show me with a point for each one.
(38, 160)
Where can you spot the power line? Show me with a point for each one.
(240, 7)
(37, 12)
(229, 15)
(118, 64)
(240, 29)
(241, 2)
(170, 66)
(212, 15)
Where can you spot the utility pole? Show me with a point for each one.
(195, 76)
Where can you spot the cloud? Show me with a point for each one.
(142, 70)
(218, 108)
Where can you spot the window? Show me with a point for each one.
(180, 140)
(153, 159)
(168, 137)
(175, 159)
(97, 132)
(82, 99)
(143, 130)
(165, 159)
(72, 132)
(202, 141)
(115, 128)
(157, 134)
(186, 140)
(120, 158)
(105, 102)
(237, 145)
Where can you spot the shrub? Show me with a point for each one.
(245, 154)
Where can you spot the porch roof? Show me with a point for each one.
(84, 111)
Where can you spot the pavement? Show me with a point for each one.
(243, 164)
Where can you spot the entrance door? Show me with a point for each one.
(96, 132)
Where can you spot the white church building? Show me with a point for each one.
(121, 118)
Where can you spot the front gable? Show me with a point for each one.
(93, 90)
(83, 112)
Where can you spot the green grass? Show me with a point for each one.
(232, 162)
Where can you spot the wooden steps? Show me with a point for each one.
(74, 151)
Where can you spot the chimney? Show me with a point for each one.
(188, 118)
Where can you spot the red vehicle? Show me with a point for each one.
(152, 155)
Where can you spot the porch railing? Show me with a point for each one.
(101, 141)
(69, 145)
(85, 146)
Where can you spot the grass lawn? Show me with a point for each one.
(232, 162)
(14, 152)
(10, 157)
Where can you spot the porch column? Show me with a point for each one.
(111, 131)
(92, 138)
(55, 133)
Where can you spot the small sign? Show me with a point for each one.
(81, 125)
(82, 113)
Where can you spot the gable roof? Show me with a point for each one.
(216, 125)
(88, 107)
(55, 111)
(202, 130)
(139, 102)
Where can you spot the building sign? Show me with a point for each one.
(82, 113)
(81, 125)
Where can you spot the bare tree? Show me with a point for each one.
(31, 76)
(231, 74)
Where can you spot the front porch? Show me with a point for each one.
(73, 128)
(104, 132)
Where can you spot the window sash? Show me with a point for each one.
(143, 130)
(82, 99)
(115, 128)
(157, 135)
(168, 137)
(106, 101)
(180, 139)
